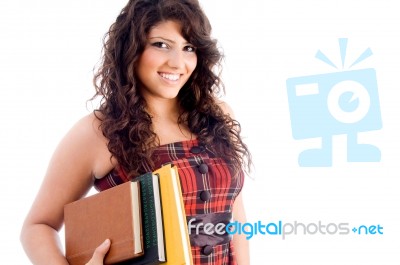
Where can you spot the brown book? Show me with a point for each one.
(115, 214)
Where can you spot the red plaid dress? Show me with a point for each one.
(208, 187)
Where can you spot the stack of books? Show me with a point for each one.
(144, 219)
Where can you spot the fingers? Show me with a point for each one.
(99, 253)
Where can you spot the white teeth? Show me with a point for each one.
(172, 77)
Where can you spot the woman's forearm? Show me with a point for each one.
(240, 243)
(242, 249)
(42, 245)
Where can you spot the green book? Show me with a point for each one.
(153, 233)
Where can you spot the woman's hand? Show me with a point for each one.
(99, 253)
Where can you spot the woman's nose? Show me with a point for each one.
(176, 59)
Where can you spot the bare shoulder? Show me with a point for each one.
(226, 108)
(87, 135)
(87, 126)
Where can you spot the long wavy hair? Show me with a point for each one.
(122, 112)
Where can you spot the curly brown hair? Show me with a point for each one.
(124, 119)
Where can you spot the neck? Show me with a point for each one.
(164, 109)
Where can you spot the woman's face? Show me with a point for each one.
(166, 63)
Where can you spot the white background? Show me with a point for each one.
(49, 48)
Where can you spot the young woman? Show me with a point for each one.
(159, 105)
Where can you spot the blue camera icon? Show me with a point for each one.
(330, 104)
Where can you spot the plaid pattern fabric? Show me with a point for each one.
(208, 186)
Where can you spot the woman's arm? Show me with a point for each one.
(69, 177)
(240, 243)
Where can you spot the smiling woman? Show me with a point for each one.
(159, 105)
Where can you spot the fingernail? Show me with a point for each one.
(106, 242)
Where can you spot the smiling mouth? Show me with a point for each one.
(171, 77)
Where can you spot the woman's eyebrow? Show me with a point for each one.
(156, 37)
(165, 39)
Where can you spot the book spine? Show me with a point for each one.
(149, 212)
(149, 224)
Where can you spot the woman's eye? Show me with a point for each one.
(190, 49)
(160, 44)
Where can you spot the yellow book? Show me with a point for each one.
(177, 242)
